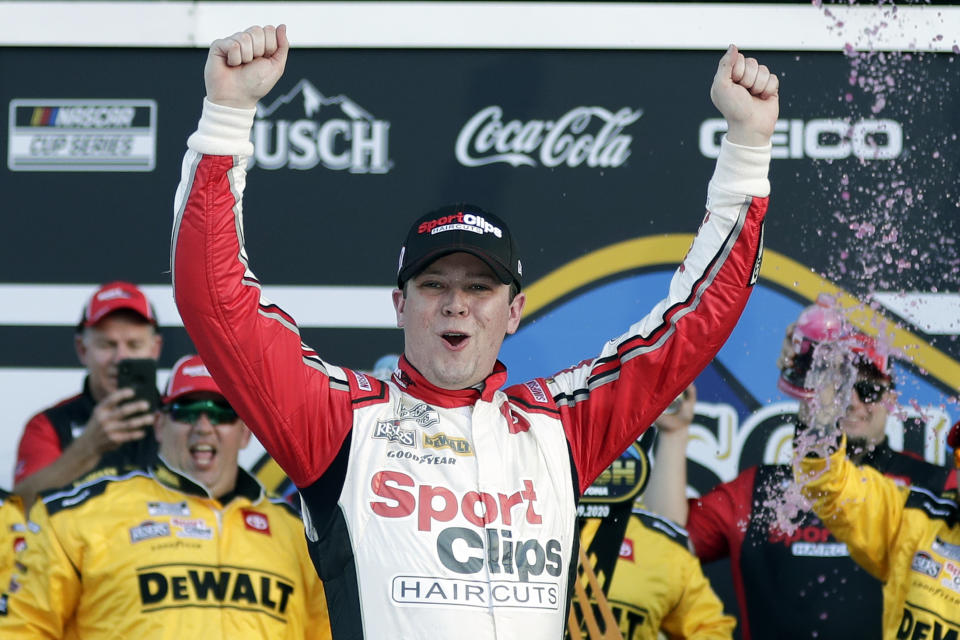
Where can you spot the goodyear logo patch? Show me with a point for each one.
(460, 446)
(82, 135)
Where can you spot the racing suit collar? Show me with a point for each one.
(878, 455)
(412, 381)
(87, 394)
(247, 486)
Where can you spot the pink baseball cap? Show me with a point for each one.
(115, 296)
(189, 375)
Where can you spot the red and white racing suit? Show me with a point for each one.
(438, 513)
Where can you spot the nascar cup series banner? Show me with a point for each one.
(599, 160)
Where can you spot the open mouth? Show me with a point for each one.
(202, 454)
(455, 339)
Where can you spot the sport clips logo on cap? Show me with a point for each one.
(460, 221)
(461, 228)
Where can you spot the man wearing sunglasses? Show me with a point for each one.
(908, 538)
(791, 584)
(191, 547)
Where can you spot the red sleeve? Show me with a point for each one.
(607, 402)
(951, 484)
(39, 447)
(298, 405)
(718, 521)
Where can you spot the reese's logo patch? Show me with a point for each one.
(148, 530)
(391, 431)
(924, 563)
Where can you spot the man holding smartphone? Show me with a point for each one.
(100, 425)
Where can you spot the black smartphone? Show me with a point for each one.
(140, 374)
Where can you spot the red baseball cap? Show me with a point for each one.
(953, 440)
(189, 375)
(115, 296)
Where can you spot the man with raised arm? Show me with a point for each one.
(436, 503)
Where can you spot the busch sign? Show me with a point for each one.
(284, 135)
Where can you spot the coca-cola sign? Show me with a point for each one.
(591, 136)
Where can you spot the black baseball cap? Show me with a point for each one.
(460, 227)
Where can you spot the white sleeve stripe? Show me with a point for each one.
(188, 173)
(701, 284)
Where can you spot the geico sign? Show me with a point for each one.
(821, 139)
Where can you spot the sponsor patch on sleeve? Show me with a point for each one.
(536, 390)
(362, 381)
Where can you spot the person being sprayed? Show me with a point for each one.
(790, 575)
(906, 537)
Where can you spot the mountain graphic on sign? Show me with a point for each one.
(313, 100)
